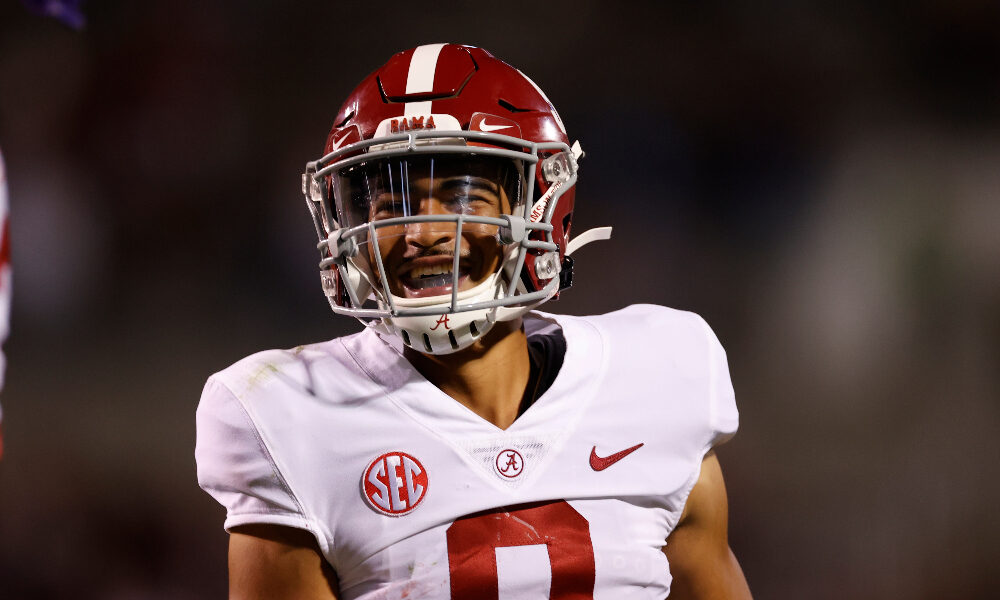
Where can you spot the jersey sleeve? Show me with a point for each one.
(724, 418)
(236, 467)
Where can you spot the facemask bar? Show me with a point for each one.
(340, 245)
(371, 229)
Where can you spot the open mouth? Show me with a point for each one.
(432, 279)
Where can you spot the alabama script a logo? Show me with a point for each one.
(509, 463)
(442, 320)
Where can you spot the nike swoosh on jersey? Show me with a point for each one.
(598, 463)
(484, 127)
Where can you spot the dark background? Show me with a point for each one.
(821, 181)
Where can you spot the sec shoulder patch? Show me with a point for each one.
(394, 483)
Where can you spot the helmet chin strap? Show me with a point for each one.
(450, 332)
(445, 332)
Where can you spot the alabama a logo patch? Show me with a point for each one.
(509, 463)
(394, 483)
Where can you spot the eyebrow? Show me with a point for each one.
(471, 181)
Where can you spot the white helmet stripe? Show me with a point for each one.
(420, 78)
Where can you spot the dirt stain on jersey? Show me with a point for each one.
(260, 376)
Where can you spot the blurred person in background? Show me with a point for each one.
(4, 281)
(463, 443)
(67, 12)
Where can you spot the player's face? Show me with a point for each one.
(418, 258)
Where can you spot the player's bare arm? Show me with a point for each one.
(701, 562)
(274, 562)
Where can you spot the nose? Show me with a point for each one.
(428, 234)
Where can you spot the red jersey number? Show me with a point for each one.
(473, 540)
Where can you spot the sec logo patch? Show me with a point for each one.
(394, 483)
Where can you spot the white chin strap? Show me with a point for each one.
(446, 332)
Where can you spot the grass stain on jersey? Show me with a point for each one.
(261, 375)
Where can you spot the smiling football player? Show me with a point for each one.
(465, 445)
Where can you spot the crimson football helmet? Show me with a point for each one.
(439, 148)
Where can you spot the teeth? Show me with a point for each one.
(419, 272)
(431, 282)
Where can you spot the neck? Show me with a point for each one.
(489, 377)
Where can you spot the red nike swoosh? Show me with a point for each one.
(598, 463)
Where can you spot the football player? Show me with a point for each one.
(464, 445)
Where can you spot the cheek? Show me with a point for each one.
(387, 238)
(480, 232)
(390, 246)
(484, 246)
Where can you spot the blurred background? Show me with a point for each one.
(820, 181)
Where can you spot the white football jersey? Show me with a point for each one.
(411, 495)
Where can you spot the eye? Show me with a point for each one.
(466, 199)
(387, 206)
(471, 198)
